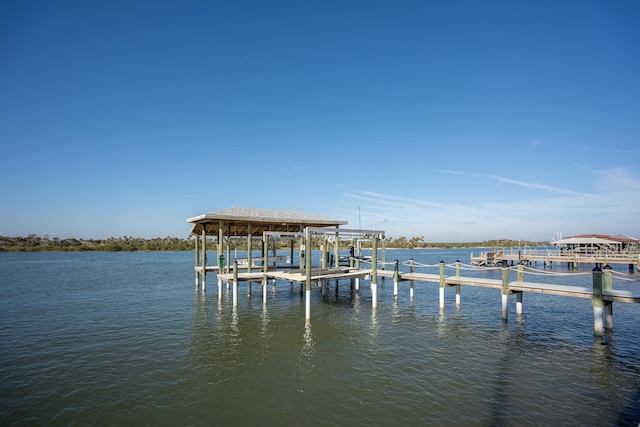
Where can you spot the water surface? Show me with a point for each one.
(124, 338)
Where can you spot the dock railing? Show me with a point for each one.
(602, 292)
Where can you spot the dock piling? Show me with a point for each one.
(597, 302)
(203, 262)
(505, 292)
(411, 268)
(374, 273)
(235, 285)
(307, 262)
(608, 305)
(519, 294)
(441, 285)
(395, 278)
(197, 253)
(457, 286)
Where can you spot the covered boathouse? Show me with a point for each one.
(248, 224)
(268, 227)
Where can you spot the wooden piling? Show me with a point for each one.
(336, 251)
(197, 252)
(505, 292)
(519, 294)
(441, 285)
(608, 305)
(235, 287)
(264, 291)
(220, 250)
(411, 268)
(358, 264)
(265, 264)
(249, 246)
(395, 278)
(203, 262)
(323, 252)
(374, 273)
(597, 302)
(457, 286)
(307, 262)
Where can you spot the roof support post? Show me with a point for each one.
(336, 251)
(220, 251)
(302, 248)
(197, 261)
(226, 270)
(265, 264)
(323, 252)
(291, 253)
(249, 241)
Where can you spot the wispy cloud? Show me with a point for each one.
(614, 179)
(610, 206)
(529, 185)
(294, 169)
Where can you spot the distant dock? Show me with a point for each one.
(548, 258)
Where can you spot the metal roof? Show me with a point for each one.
(236, 220)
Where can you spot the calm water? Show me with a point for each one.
(124, 338)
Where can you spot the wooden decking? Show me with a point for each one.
(324, 274)
(601, 296)
(297, 275)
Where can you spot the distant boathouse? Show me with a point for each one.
(597, 249)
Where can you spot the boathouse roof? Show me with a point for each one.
(238, 220)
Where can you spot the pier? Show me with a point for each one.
(601, 293)
(324, 233)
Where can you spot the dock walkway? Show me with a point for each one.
(602, 295)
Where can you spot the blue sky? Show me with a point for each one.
(452, 120)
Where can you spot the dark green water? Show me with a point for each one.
(125, 339)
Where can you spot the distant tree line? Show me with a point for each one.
(420, 243)
(34, 243)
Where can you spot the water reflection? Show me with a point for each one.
(374, 329)
(308, 345)
(265, 321)
(441, 324)
(395, 311)
(356, 303)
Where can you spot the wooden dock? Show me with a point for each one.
(602, 294)
(309, 230)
